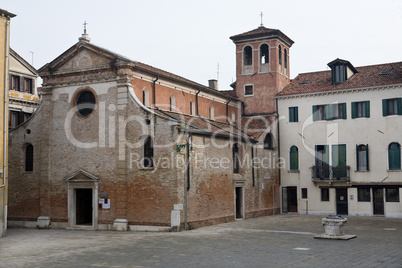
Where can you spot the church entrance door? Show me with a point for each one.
(83, 206)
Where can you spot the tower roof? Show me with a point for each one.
(262, 33)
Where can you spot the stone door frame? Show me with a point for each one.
(82, 180)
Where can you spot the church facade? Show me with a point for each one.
(118, 144)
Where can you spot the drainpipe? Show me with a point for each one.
(187, 188)
(227, 111)
(196, 102)
(252, 164)
(279, 155)
(153, 91)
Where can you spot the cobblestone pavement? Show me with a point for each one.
(273, 241)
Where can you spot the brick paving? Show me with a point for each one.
(273, 241)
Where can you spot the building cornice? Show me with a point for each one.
(333, 92)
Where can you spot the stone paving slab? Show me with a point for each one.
(273, 241)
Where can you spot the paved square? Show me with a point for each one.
(273, 241)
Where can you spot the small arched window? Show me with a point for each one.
(264, 54)
(211, 112)
(172, 103)
(145, 96)
(394, 156)
(148, 153)
(236, 158)
(192, 108)
(285, 56)
(233, 119)
(280, 55)
(269, 142)
(85, 103)
(294, 158)
(248, 55)
(29, 157)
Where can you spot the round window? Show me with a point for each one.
(85, 103)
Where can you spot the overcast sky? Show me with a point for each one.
(190, 38)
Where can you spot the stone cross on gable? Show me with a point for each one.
(261, 19)
(85, 27)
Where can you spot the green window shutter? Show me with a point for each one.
(296, 114)
(344, 115)
(329, 111)
(384, 107)
(339, 155)
(294, 158)
(326, 156)
(354, 110)
(357, 157)
(314, 112)
(367, 157)
(394, 158)
(291, 115)
(399, 101)
(368, 109)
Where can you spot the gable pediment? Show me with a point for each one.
(84, 59)
(81, 176)
(81, 57)
(21, 66)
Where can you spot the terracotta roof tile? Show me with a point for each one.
(262, 32)
(205, 125)
(151, 69)
(230, 93)
(367, 76)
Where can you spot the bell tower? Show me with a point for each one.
(262, 68)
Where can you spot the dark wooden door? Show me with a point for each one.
(83, 207)
(292, 199)
(239, 202)
(378, 201)
(342, 201)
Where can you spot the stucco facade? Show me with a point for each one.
(370, 185)
(23, 91)
(4, 68)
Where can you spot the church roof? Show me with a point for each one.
(136, 65)
(205, 126)
(366, 76)
(262, 32)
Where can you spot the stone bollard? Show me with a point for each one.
(43, 222)
(175, 217)
(120, 225)
(333, 226)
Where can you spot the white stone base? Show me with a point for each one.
(120, 225)
(144, 228)
(342, 237)
(21, 224)
(43, 222)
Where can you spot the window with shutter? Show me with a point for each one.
(362, 157)
(294, 158)
(293, 114)
(392, 106)
(394, 156)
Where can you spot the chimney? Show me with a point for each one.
(213, 84)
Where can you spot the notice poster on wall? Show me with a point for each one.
(106, 204)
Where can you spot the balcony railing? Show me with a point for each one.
(330, 173)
